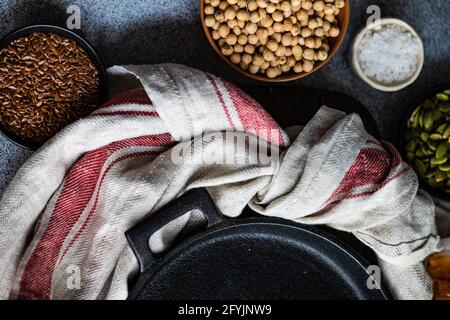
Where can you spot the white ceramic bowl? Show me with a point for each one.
(396, 86)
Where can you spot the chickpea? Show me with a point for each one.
(264, 66)
(251, 27)
(294, 41)
(302, 15)
(334, 32)
(330, 18)
(223, 5)
(295, 31)
(272, 72)
(249, 48)
(241, 24)
(242, 15)
(209, 10)
(278, 27)
(277, 16)
(227, 50)
(235, 58)
(271, 8)
(238, 48)
(322, 55)
(286, 39)
(318, 5)
(267, 22)
(215, 35)
(242, 39)
(230, 14)
(262, 34)
(214, 3)
(243, 65)
(285, 68)
(313, 24)
(281, 51)
(231, 39)
(277, 37)
(262, 3)
(252, 5)
(328, 9)
(291, 61)
(297, 51)
(319, 32)
(258, 60)
(325, 47)
(232, 24)
(340, 4)
(296, 3)
(253, 69)
(287, 25)
(307, 5)
(262, 13)
(224, 30)
(306, 32)
(268, 55)
(232, 2)
(308, 54)
(318, 43)
(272, 45)
(246, 58)
(298, 68)
(253, 39)
(219, 16)
(286, 6)
(308, 65)
(210, 21)
(310, 43)
(255, 17)
(288, 52)
(237, 31)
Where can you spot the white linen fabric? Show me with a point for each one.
(63, 217)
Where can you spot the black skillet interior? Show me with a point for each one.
(252, 258)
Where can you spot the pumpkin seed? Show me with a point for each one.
(439, 161)
(411, 146)
(445, 167)
(441, 128)
(436, 137)
(442, 150)
(442, 97)
(421, 169)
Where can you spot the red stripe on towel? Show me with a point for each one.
(78, 189)
(222, 101)
(253, 117)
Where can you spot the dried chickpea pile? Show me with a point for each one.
(272, 37)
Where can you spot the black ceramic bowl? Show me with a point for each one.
(436, 193)
(90, 51)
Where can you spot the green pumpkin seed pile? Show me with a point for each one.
(428, 141)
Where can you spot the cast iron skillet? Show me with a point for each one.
(256, 258)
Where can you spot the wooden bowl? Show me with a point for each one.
(343, 18)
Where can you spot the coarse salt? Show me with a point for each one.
(389, 54)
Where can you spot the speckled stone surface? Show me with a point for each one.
(155, 31)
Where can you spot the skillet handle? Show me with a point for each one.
(138, 237)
